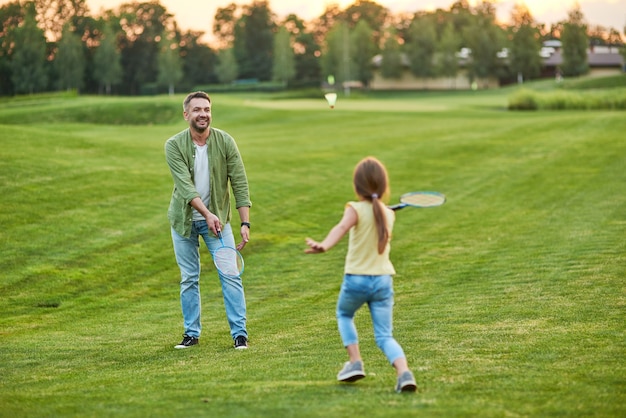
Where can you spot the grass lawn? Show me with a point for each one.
(510, 298)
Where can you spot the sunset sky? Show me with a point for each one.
(198, 14)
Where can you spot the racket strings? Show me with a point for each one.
(228, 261)
(423, 199)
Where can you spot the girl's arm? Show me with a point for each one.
(349, 219)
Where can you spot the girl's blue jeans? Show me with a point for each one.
(377, 292)
(187, 251)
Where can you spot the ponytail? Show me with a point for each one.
(381, 223)
(371, 183)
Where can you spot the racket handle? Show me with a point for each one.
(398, 206)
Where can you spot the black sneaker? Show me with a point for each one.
(187, 342)
(241, 343)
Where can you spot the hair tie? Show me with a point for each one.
(374, 196)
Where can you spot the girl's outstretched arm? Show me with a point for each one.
(349, 219)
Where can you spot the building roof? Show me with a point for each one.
(594, 59)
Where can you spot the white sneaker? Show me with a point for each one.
(351, 372)
(406, 383)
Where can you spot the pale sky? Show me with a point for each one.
(198, 14)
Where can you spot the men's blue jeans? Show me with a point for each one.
(187, 251)
(377, 292)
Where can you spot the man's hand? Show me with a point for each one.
(213, 223)
(245, 237)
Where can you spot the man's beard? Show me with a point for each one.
(195, 126)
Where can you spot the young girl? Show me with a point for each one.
(368, 271)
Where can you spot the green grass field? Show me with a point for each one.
(510, 299)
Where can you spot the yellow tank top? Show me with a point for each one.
(363, 257)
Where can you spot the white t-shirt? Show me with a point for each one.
(201, 178)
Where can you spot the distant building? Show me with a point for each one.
(603, 61)
(408, 81)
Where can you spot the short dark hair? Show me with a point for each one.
(195, 95)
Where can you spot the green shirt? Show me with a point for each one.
(226, 167)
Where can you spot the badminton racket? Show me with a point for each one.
(228, 261)
(420, 200)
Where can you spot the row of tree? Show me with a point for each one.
(138, 48)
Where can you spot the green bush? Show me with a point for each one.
(523, 100)
(608, 99)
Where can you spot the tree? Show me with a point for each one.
(614, 38)
(144, 24)
(28, 71)
(170, 64)
(447, 63)
(284, 68)
(622, 49)
(461, 15)
(391, 64)
(224, 25)
(574, 44)
(11, 16)
(254, 42)
(370, 12)
(485, 39)
(336, 60)
(54, 15)
(363, 50)
(307, 51)
(421, 47)
(199, 61)
(107, 61)
(525, 60)
(227, 66)
(69, 61)
(329, 19)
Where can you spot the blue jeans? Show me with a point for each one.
(377, 292)
(187, 251)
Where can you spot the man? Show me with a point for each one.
(204, 162)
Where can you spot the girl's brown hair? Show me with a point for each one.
(371, 183)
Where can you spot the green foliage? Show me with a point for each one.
(11, 16)
(199, 62)
(525, 45)
(28, 62)
(391, 64)
(69, 61)
(107, 61)
(254, 41)
(485, 39)
(509, 298)
(613, 99)
(284, 66)
(170, 70)
(447, 61)
(308, 67)
(421, 47)
(575, 44)
(337, 60)
(144, 23)
(375, 15)
(362, 49)
(227, 69)
(523, 99)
